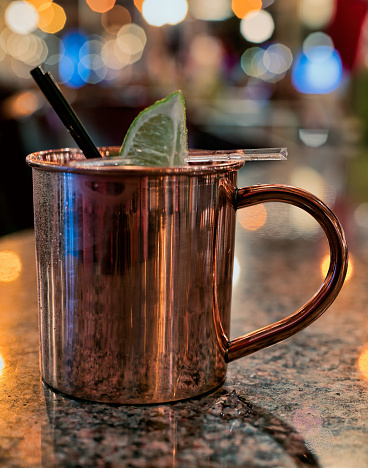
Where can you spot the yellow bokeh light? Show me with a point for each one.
(326, 263)
(10, 266)
(363, 363)
(1, 364)
(38, 3)
(46, 15)
(316, 14)
(52, 17)
(101, 6)
(252, 218)
(243, 7)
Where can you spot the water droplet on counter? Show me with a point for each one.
(230, 406)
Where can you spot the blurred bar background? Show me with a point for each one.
(254, 74)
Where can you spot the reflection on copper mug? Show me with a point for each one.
(134, 270)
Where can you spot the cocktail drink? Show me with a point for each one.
(135, 255)
(134, 268)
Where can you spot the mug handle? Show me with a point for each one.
(317, 305)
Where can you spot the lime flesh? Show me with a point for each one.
(158, 135)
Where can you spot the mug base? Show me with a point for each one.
(131, 400)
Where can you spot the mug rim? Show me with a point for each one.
(58, 160)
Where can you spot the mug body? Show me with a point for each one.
(125, 266)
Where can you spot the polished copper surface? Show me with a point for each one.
(328, 291)
(134, 273)
(125, 266)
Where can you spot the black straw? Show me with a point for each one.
(53, 94)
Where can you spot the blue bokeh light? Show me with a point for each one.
(317, 72)
(70, 72)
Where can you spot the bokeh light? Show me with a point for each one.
(313, 138)
(2, 364)
(361, 216)
(269, 64)
(113, 55)
(206, 51)
(52, 17)
(252, 62)
(21, 17)
(100, 6)
(21, 105)
(326, 264)
(277, 59)
(309, 179)
(317, 39)
(316, 14)
(139, 4)
(10, 266)
(54, 45)
(29, 49)
(257, 26)
(318, 70)
(131, 40)
(38, 3)
(236, 270)
(252, 218)
(242, 7)
(115, 18)
(210, 10)
(55, 53)
(2, 49)
(160, 12)
(363, 363)
(70, 72)
(91, 65)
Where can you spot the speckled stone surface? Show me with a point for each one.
(300, 403)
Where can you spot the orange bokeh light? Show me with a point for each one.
(115, 18)
(10, 266)
(52, 17)
(39, 3)
(101, 6)
(252, 217)
(139, 4)
(20, 105)
(243, 7)
(326, 263)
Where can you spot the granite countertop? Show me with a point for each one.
(299, 403)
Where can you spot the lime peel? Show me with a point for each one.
(158, 135)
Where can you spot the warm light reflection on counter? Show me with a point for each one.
(363, 363)
(10, 266)
(326, 263)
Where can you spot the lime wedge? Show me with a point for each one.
(158, 135)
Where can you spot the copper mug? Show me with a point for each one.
(134, 268)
